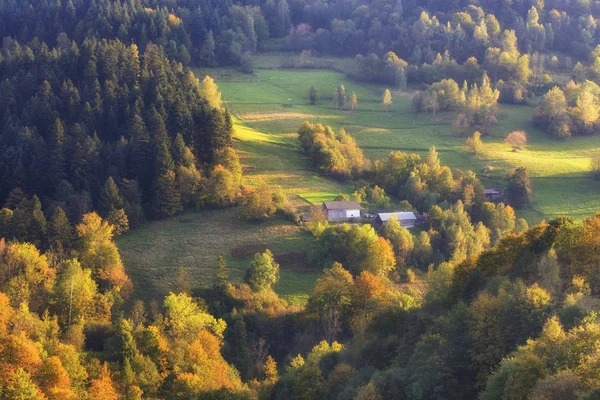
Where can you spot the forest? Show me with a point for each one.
(111, 124)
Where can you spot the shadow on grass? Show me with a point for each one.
(407, 149)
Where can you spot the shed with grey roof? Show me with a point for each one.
(407, 219)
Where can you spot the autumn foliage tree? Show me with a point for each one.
(358, 247)
(332, 299)
(333, 153)
(210, 91)
(103, 388)
(474, 144)
(387, 99)
(517, 140)
(260, 202)
(26, 276)
(74, 293)
(99, 253)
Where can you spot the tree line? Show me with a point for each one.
(417, 32)
(200, 32)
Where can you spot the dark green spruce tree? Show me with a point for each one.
(60, 231)
(110, 198)
(56, 159)
(167, 198)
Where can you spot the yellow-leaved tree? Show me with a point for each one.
(99, 253)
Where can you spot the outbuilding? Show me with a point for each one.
(407, 219)
(493, 194)
(341, 210)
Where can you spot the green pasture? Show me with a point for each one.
(275, 159)
(271, 107)
(153, 253)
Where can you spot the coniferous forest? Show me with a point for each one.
(106, 127)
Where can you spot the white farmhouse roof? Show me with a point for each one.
(341, 205)
(400, 215)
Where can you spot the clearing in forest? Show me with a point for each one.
(268, 108)
(271, 107)
(154, 252)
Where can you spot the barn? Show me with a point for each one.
(341, 210)
(406, 219)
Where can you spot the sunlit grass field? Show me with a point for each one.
(270, 109)
(275, 159)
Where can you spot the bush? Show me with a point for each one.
(290, 213)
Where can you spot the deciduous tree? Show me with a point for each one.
(474, 144)
(261, 202)
(98, 252)
(74, 293)
(26, 277)
(387, 99)
(353, 101)
(517, 140)
(263, 272)
(518, 187)
(210, 91)
(331, 298)
(102, 388)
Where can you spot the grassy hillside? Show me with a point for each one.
(274, 103)
(274, 158)
(154, 252)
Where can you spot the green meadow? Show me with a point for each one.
(154, 252)
(268, 108)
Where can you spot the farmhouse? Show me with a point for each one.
(492, 194)
(341, 210)
(406, 219)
